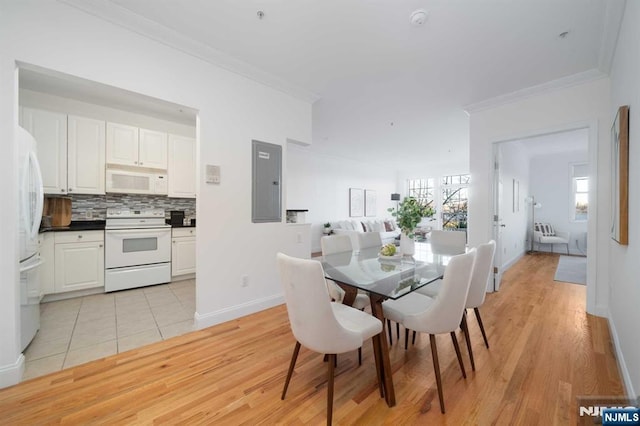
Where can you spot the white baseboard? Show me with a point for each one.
(512, 262)
(622, 366)
(12, 374)
(233, 312)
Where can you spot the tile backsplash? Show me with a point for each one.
(86, 207)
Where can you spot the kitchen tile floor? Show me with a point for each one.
(75, 331)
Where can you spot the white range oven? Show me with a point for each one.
(137, 248)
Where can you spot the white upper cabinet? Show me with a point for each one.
(50, 132)
(152, 151)
(130, 146)
(86, 157)
(182, 167)
(122, 144)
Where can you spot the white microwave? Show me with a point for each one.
(128, 182)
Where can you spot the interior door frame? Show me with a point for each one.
(594, 306)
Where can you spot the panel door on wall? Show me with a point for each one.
(50, 132)
(152, 149)
(266, 182)
(122, 144)
(86, 146)
(182, 167)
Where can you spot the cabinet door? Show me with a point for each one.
(182, 167)
(47, 270)
(122, 144)
(183, 256)
(86, 146)
(50, 132)
(153, 149)
(79, 266)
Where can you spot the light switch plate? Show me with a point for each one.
(213, 174)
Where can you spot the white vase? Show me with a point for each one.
(407, 245)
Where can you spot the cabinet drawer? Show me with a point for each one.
(183, 232)
(79, 236)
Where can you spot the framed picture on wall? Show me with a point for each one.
(620, 176)
(369, 202)
(356, 202)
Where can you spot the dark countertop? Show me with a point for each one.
(92, 225)
(192, 225)
(78, 225)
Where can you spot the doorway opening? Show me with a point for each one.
(541, 180)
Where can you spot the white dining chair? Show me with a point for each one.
(318, 324)
(440, 315)
(448, 242)
(334, 244)
(477, 292)
(369, 240)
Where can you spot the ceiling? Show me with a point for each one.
(385, 91)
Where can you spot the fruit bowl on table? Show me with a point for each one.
(396, 256)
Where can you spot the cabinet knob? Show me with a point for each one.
(79, 236)
(141, 163)
(174, 241)
(70, 189)
(61, 189)
(135, 162)
(100, 245)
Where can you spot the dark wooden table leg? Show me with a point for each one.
(350, 294)
(389, 392)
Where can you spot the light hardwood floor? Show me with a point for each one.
(545, 351)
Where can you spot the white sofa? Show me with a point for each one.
(352, 227)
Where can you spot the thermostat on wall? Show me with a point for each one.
(213, 174)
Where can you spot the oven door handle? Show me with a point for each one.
(138, 231)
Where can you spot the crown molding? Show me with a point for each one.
(612, 22)
(125, 18)
(561, 83)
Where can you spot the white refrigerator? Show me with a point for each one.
(31, 200)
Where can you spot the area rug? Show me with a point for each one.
(572, 269)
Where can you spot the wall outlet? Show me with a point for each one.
(245, 281)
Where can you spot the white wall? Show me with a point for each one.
(571, 108)
(321, 184)
(514, 164)
(550, 180)
(624, 285)
(232, 111)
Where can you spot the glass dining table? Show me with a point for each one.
(383, 278)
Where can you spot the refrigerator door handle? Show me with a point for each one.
(37, 214)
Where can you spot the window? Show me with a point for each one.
(455, 196)
(579, 209)
(422, 190)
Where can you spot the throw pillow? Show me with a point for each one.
(387, 226)
(546, 229)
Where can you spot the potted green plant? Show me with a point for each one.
(327, 228)
(408, 214)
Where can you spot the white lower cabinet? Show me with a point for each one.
(47, 254)
(183, 251)
(79, 260)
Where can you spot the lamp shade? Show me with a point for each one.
(395, 197)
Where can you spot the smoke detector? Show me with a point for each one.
(419, 17)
